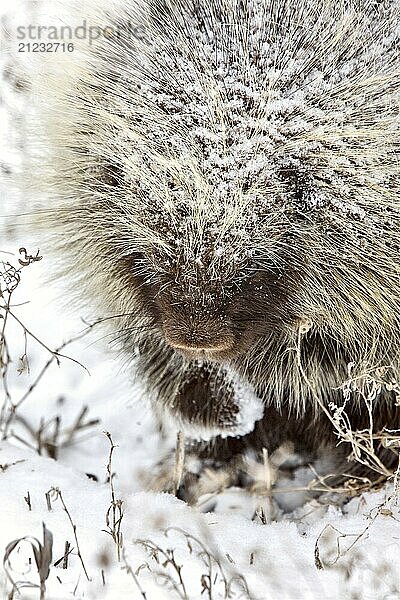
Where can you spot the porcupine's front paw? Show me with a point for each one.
(211, 402)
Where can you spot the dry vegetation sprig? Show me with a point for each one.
(6, 466)
(63, 561)
(382, 509)
(55, 494)
(179, 461)
(51, 436)
(114, 516)
(134, 576)
(213, 560)
(115, 512)
(368, 387)
(166, 559)
(10, 279)
(43, 554)
(169, 572)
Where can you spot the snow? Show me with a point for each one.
(276, 560)
(272, 555)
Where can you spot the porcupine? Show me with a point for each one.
(225, 177)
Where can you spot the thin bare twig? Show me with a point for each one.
(58, 495)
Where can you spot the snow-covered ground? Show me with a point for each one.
(168, 550)
(223, 554)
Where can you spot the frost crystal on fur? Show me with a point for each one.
(245, 109)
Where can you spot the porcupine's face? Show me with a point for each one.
(215, 299)
(231, 149)
(213, 264)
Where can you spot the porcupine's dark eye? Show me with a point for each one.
(111, 175)
(295, 182)
(135, 269)
(137, 263)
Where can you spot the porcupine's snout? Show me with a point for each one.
(217, 324)
(203, 338)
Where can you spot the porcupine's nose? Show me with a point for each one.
(202, 348)
(216, 352)
(197, 343)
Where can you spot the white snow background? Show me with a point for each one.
(193, 555)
